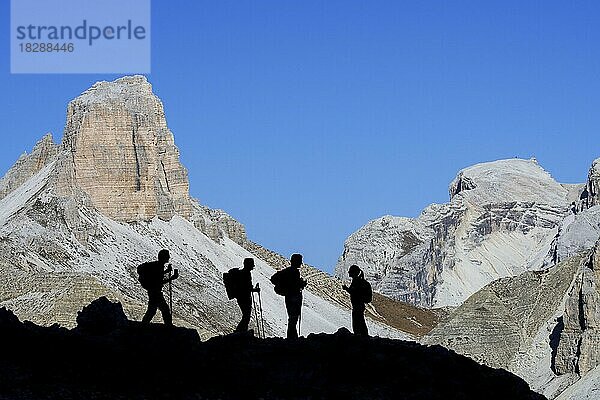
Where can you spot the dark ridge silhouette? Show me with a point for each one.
(107, 356)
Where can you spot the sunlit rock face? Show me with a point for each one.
(578, 348)
(501, 221)
(122, 154)
(541, 325)
(590, 196)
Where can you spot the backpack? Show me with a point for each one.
(144, 274)
(283, 281)
(365, 293)
(232, 281)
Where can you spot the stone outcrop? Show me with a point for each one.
(101, 316)
(503, 318)
(120, 152)
(578, 349)
(380, 245)
(542, 325)
(217, 224)
(28, 165)
(514, 324)
(577, 232)
(590, 196)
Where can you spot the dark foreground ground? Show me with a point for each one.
(107, 356)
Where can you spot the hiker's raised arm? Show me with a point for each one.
(175, 276)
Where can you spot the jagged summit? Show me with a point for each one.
(128, 88)
(27, 165)
(131, 93)
(116, 151)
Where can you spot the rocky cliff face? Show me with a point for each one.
(512, 322)
(501, 221)
(540, 325)
(590, 196)
(122, 154)
(578, 349)
(28, 165)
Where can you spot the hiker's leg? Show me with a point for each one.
(152, 307)
(293, 305)
(292, 331)
(245, 304)
(164, 310)
(359, 326)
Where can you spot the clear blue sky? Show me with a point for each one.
(306, 119)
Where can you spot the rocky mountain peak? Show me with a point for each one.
(46, 141)
(28, 165)
(507, 181)
(120, 152)
(501, 221)
(135, 92)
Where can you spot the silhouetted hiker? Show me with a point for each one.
(238, 284)
(152, 277)
(289, 283)
(360, 294)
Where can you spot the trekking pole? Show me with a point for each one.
(300, 316)
(255, 315)
(170, 295)
(262, 320)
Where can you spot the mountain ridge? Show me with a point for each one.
(502, 219)
(76, 218)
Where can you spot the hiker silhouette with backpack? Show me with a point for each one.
(152, 277)
(360, 294)
(238, 284)
(289, 283)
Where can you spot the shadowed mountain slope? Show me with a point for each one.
(107, 356)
